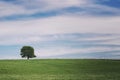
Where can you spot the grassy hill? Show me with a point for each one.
(55, 69)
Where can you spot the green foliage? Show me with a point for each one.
(27, 51)
(53, 69)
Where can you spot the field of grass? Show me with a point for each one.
(56, 69)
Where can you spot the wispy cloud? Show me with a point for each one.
(66, 28)
(26, 9)
(66, 52)
(61, 24)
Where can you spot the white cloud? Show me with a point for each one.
(62, 24)
(97, 9)
(104, 38)
(57, 25)
(56, 51)
(46, 5)
(33, 30)
(113, 42)
(28, 7)
(10, 9)
(59, 4)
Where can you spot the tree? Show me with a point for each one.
(27, 51)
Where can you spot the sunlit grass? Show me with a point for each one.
(55, 69)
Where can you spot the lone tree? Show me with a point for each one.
(27, 51)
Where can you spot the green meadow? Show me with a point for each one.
(60, 69)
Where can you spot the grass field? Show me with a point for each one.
(55, 69)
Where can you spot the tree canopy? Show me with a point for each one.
(27, 51)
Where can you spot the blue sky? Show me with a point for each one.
(60, 28)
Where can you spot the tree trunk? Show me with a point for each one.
(27, 57)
